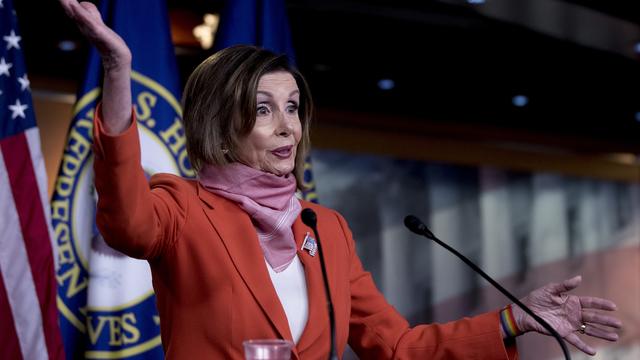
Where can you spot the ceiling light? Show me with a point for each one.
(638, 116)
(386, 84)
(520, 100)
(67, 45)
(206, 32)
(475, 2)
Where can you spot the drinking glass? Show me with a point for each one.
(267, 349)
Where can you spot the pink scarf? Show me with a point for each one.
(269, 200)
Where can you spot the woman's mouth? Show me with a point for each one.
(283, 152)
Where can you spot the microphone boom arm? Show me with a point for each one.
(415, 225)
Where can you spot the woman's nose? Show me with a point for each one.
(285, 124)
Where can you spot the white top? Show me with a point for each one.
(291, 287)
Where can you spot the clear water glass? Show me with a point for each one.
(272, 349)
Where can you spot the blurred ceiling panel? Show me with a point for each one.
(558, 67)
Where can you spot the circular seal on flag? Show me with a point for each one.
(104, 295)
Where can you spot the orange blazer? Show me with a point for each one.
(212, 285)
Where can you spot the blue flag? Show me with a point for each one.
(262, 23)
(106, 299)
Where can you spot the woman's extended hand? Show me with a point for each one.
(568, 313)
(112, 48)
(116, 60)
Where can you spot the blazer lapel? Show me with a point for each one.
(318, 321)
(235, 229)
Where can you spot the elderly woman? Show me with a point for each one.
(224, 249)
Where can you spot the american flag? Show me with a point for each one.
(29, 326)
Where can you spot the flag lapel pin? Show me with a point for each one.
(310, 245)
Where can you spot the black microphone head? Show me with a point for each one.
(414, 224)
(309, 218)
(417, 226)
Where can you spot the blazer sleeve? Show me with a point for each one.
(378, 331)
(132, 217)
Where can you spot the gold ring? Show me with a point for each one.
(583, 328)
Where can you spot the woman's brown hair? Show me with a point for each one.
(219, 105)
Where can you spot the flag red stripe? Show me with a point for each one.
(24, 187)
(8, 336)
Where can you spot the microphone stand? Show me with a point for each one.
(415, 225)
(309, 218)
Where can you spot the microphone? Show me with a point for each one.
(415, 225)
(310, 219)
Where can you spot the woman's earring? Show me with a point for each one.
(225, 151)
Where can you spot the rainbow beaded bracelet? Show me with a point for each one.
(508, 322)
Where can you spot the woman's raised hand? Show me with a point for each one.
(569, 315)
(112, 48)
(116, 60)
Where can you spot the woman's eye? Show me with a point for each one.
(262, 110)
(292, 108)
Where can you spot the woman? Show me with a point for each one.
(225, 250)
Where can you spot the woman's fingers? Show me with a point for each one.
(593, 327)
(92, 13)
(67, 7)
(567, 285)
(572, 283)
(595, 331)
(590, 302)
(74, 9)
(85, 14)
(113, 50)
(575, 340)
(601, 319)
